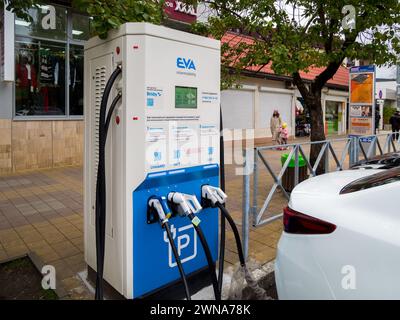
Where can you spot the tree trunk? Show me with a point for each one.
(312, 99)
(314, 105)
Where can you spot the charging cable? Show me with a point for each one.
(160, 205)
(188, 205)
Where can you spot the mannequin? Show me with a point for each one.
(26, 82)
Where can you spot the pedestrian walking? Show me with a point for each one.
(283, 136)
(284, 133)
(275, 124)
(395, 122)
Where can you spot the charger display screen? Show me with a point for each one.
(185, 98)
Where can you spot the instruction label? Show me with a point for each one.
(209, 141)
(156, 153)
(154, 97)
(209, 97)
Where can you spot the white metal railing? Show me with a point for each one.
(354, 150)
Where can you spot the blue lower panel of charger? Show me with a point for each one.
(154, 266)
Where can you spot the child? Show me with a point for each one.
(283, 134)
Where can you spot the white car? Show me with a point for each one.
(341, 237)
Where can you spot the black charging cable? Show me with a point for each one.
(101, 195)
(222, 222)
(228, 217)
(177, 259)
(207, 252)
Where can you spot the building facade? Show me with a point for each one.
(41, 89)
(262, 91)
(41, 105)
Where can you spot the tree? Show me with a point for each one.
(19, 7)
(110, 14)
(295, 35)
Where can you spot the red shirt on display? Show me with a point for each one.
(22, 75)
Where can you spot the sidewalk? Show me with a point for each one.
(42, 212)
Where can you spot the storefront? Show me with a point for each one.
(49, 63)
(41, 84)
(41, 121)
(333, 117)
(251, 104)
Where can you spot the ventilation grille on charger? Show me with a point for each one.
(100, 83)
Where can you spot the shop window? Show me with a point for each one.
(48, 21)
(333, 117)
(76, 80)
(40, 78)
(49, 63)
(80, 27)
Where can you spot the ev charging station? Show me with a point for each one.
(160, 157)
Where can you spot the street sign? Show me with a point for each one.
(362, 100)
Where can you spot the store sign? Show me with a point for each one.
(7, 71)
(362, 100)
(180, 11)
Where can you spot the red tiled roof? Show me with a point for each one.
(341, 78)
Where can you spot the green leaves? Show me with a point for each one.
(19, 7)
(295, 35)
(110, 14)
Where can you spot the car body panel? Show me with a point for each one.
(364, 247)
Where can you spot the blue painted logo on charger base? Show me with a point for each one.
(154, 265)
(183, 63)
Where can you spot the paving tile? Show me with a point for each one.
(78, 242)
(3, 255)
(63, 270)
(47, 256)
(65, 249)
(18, 250)
(31, 236)
(41, 224)
(70, 232)
(76, 262)
(53, 236)
(8, 234)
(26, 228)
(34, 218)
(40, 244)
(17, 222)
(4, 225)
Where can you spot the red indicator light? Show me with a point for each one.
(135, 118)
(135, 46)
(118, 50)
(117, 119)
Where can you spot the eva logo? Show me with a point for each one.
(183, 63)
(185, 239)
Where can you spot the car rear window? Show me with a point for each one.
(375, 180)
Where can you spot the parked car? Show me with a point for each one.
(385, 161)
(341, 237)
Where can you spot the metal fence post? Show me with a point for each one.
(296, 165)
(255, 185)
(246, 204)
(354, 151)
(326, 157)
